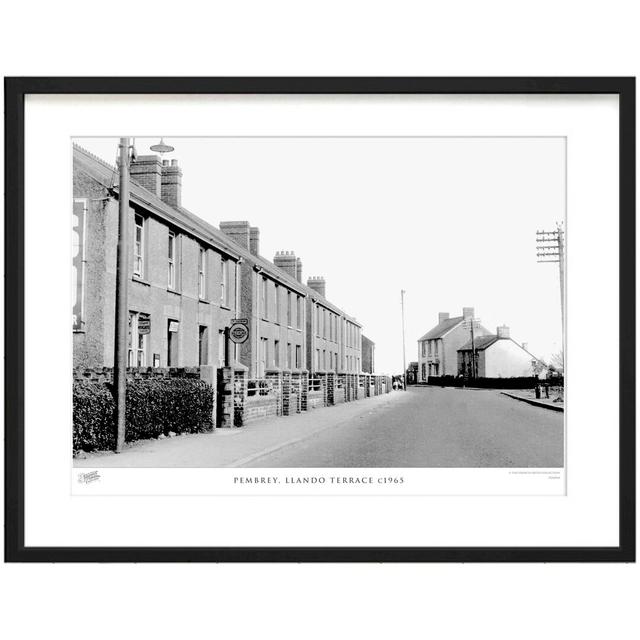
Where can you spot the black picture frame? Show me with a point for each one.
(15, 91)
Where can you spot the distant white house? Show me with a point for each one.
(437, 349)
(499, 356)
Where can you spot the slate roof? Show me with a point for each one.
(107, 175)
(482, 342)
(439, 330)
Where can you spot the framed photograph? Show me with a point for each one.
(320, 319)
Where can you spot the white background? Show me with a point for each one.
(587, 516)
(400, 38)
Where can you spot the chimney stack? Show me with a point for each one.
(318, 284)
(237, 230)
(468, 313)
(503, 331)
(171, 184)
(254, 240)
(525, 345)
(147, 172)
(287, 261)
(442, 316)
(299, 270)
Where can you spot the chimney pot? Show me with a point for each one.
(147, 172)
(171, 191)
(237, 230)
(503, 331)
(318, 284)
(286, 260)
(254, 240)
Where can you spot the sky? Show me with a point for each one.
(452, 221)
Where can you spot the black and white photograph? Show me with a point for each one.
(318, 302)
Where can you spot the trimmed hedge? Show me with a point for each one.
(93, 416)
(154, 407)
(488, 383)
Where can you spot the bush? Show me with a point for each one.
(93, 416)
(154, 407)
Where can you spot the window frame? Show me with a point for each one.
(138, 257)
(202, 272)
(133, 354)
(298, 356)
(203, 345)
(264, 298)
(171, 259)
(224, 281)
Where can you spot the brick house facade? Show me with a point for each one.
(333, 337)
(274, 302)
(189, 279)
(368, 355)
(183, 275)
(438, 348)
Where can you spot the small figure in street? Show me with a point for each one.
(538, 391)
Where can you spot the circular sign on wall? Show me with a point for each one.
(239, 333)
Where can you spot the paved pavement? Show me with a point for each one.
(423, 427)
(531, 399)
(238, 447)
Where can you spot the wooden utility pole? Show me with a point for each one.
(473, 351)
(550, 248)
(404, 351)
(122, 295)
(474, 358)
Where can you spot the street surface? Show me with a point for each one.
(422, 427)
(435, 427)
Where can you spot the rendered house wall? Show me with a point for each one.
(506, 359)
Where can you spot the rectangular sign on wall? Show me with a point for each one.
(144, 324)
(79, 221)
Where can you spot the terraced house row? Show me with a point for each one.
(188, 281)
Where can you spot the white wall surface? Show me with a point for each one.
(506, 359)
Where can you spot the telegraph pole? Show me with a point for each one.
(473, 351)
(122, 297)
(550, 248)
(404, 351)
(474, 364)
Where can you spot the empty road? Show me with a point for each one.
(434, 427)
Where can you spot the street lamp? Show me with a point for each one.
(161, 147)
